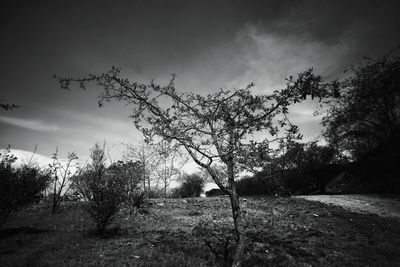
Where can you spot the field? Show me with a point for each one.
(196, 232)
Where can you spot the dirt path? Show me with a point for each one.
(382, 205)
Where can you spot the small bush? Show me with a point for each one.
(192, 186)
(137, 201)
(214, 192)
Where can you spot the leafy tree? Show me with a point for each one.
(364, 110)
(192, 185)
(293, 168)
(19, 187)
(130, 171)
(213, 128)
(314, 165)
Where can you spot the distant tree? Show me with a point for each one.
(191, 186)
(129, 171)
(214, 192)
(364, 110)
(146, 155)
(252, 185)
(213, 128)
(171, 161)
(19, 187)
(61, 172)
(313, 163)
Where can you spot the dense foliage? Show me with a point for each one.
(105, 189)
(191, 186)
(298, 168)
(365, 112)
(19, 186)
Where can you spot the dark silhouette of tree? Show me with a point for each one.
(211, 128)
(19, 186)
(192, 185)
(364, 110)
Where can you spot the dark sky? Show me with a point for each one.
(208, 44)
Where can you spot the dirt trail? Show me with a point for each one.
(382, 205)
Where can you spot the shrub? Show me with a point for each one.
(137, 200)
(214, 192)
(102, 188)
(19, 187)
(192, 186)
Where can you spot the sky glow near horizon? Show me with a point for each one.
(208, 44)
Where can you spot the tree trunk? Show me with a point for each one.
(237, 216)
(165, 177)
(54, 206)
(239, 229)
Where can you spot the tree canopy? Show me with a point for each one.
(366, 109)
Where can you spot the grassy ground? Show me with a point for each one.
(280, 232)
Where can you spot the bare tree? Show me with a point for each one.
(211, 128)
(171, 162)
(61, 172)
(147, 156)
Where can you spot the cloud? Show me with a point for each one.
(268, 58)
(36, 125)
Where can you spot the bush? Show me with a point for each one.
(192, 186)
(19, 187)
(214, 192)
(102, 188)
(137, 200)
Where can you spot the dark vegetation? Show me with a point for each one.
(191, 186)
(19, 187)
(363, 122)
(362, 128)
(102, 188)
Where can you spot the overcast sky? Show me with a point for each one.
(208, 44)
